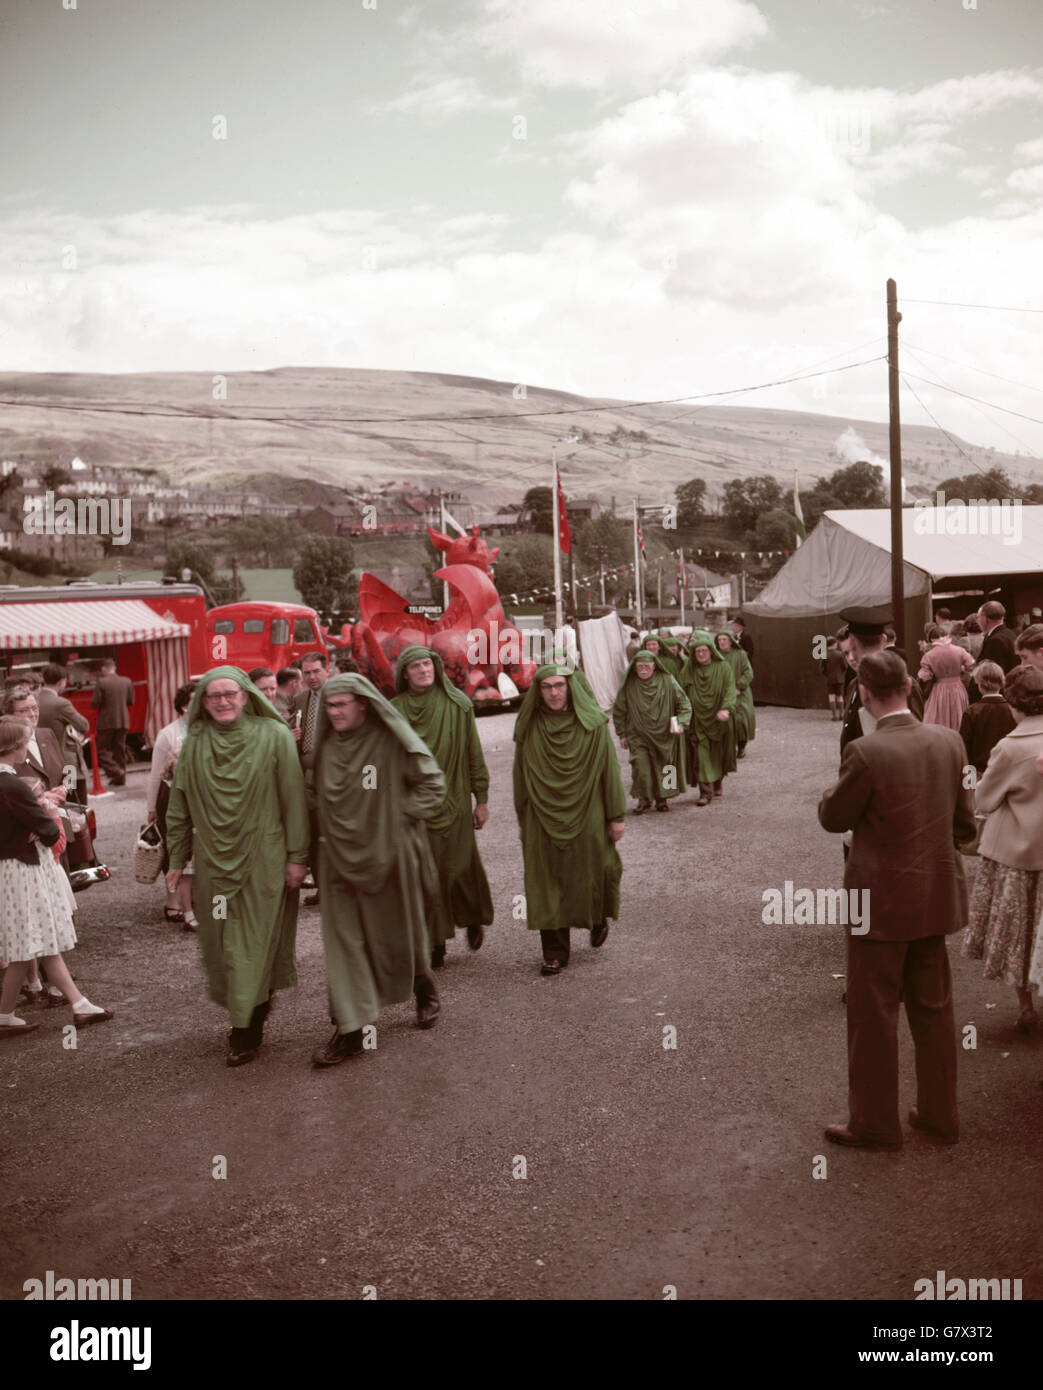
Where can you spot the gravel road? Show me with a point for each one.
(645, 1166)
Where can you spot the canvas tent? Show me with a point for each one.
(846, 562)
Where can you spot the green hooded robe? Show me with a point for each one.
(671, 653)
(641, 714)
(710, 688)
(375, 786)
(567, 787)
(742, 672)
(444, 718)
(239, 792)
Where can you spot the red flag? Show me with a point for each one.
(564, 534)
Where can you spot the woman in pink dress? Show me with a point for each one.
(944, 664)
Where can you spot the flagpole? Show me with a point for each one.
(558, 624)
(680, 584)
(638, 609)
(442, 528)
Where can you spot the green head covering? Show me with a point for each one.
(563, 753)
(701, 638)
(440, 716)
(709, 687)
(362, 823)
(643, 655)
(402, 686)
(223, 771)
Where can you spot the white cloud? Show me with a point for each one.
(597, 44)
(444, 97)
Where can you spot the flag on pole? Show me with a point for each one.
(564, 534)
(641, 543)
(802, 534)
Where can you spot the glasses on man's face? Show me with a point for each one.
(221, 699)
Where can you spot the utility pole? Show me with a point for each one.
(601, 576)
(894, 318)
(638, 595)
(557, 543)
(659, 587)
(681, 577)
(442, 528)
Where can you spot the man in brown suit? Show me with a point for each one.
(901, 791)
(304, 721)
(43, 760)
(64, 721)
(113, 696)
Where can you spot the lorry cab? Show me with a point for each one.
(262, 634)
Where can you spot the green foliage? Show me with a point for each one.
(525, 563)
(608, 540)
(746, 498)
(322, 572)
(775, 530)
(187, 555)
(691, 502)
(995, 483)
(539, 504)
(859, 485)
(32, 563)
(266, 542)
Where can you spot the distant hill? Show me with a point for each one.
(305, 429)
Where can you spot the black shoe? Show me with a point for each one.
(312, 900)
(718, 788)
(427, 1012)
(241, 1047)
(741, 753)
(599, 934)
(475, 937)
(437, 957)
(552, 967)
(642, 806)
(662, 806)
(339, 1048)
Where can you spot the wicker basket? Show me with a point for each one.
(148, 854)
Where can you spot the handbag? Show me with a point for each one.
(148, 854)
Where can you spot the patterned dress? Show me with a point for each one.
(34, 911)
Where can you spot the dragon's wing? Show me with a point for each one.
(381, 606)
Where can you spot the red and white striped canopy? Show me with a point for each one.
(83, 623)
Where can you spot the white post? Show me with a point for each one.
(558, 623)
(680, 584)
(638, 607)
(442, 528)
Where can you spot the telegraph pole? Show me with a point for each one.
(558, 620)
(442, 528)
(894, 318)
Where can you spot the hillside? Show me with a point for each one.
(294, 431)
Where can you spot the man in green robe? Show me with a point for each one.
(742, 674)
(376, 783)
(650, 712)
(708, 682)
(443, 717)
(238, 806)
(669, 651)
(569, 797)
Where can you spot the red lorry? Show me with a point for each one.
(263, 634)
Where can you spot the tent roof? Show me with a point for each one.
(934, 538)
(82, 623)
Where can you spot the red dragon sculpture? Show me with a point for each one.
(473, 637)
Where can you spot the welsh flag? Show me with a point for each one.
(802, 534)
(564, 534)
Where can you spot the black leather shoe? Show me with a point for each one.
(15, 1030)
(437, 957)
(241, 1048)
(662, 806)
(83, 1020)
(552, 967)
(475, 937)
(841, 1134)
(339, 1048)
(928, 1132)
(599, 934)
(312, 900)
(427, 1012)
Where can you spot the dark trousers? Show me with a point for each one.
(112, 754)
(556, 945)
(313, 852)
(880, 975)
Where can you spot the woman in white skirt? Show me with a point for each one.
(35, 921)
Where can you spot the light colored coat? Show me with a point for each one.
(1010, 793)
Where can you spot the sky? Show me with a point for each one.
(636, 199)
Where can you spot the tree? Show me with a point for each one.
(539, 503)
(776, 530)
(266, 542)
(746, 498)
(322, 572)
(187, 555)
(605, 541)
(691, 500)
(54, 476)
(527, 565)
(994, 483)
(859, 485)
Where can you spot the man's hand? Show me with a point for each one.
(615, 830)
(481, 815)
(173, 878)
(295, 875)
(722, 715)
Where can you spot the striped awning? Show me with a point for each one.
(83, 623)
